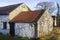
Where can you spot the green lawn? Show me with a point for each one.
(7, 37)
(54, 35)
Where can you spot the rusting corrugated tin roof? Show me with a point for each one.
(28, 16)
(7, 9)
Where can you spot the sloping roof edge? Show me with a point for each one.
(34, 20)
(7, 9)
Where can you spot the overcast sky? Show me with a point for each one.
(30, 3)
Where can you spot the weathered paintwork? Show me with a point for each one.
(24, 30)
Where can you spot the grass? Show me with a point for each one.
(54, 35)
(7, 37)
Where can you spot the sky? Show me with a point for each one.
(30, 3)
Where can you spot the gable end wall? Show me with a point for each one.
(45, 24)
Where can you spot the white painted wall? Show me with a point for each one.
(3, 18)
(24, 30)
(21, 29)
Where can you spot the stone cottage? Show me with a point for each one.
(4, 13)
(31, 24)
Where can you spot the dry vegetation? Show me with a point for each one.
(54, 35)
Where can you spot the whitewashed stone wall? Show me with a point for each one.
(21, 29)
(3, 18)
(24, 30)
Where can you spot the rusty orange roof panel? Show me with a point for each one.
(28, 16)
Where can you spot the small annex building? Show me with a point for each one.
(32, 23)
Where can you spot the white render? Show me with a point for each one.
(21, 29)
(3, 18)
(24, 30)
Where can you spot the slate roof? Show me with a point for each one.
(28, 16)
(7, 9)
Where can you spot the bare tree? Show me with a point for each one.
(46, 5)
